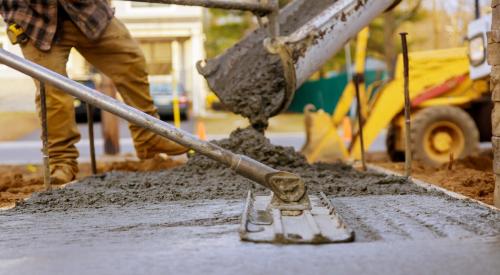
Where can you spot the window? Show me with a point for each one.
(477, 50)
(158, 56)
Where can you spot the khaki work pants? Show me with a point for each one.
(118, 56)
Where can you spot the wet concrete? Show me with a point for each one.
(203, 178)
(416, 217)
(185, 220)
(249, 80)
(200, 238)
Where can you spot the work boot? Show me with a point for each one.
(160, 145)
(62, 175)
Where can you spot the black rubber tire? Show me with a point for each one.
(480, 110)
(424, 119)
(184, 115)
(390, 144)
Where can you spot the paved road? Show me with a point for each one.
(27, 149)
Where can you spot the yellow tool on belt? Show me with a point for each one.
(16, 34)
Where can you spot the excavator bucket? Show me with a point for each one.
(264, 222)
(323, 142)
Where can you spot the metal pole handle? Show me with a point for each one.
(408, 156)
(255, 7)
(45, 137)
(90, 122)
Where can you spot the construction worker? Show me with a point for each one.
(47, 30)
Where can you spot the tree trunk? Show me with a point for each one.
(390, 49)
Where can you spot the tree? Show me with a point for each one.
(383, 39)
(224, 28)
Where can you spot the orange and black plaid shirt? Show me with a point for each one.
(39, 19)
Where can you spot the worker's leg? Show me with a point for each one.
(62, 130)
(119, 56)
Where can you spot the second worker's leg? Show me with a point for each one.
(119, 56)
(62, 131)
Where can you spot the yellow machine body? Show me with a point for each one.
(323, 142)
(428, 70)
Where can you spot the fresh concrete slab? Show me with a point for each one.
(201, 237)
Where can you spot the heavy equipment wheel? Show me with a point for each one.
(438, 132)
(480, 110)
(390, 142)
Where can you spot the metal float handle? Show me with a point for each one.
(255, 6)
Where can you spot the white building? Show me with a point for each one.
(171, 37)
(17, 91)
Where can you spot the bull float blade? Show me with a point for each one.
(263, 222)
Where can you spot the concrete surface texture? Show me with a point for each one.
(201, 238)
(203, 178)
(185, 221)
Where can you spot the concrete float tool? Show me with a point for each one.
(288, 216)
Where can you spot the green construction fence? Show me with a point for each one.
(325, 93)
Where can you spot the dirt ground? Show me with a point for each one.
(472, 176)
(18, 182)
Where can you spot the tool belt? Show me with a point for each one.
(16, 34)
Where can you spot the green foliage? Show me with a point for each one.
(224, 28)
(385, 25)
(377, 42)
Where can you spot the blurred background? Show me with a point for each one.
(174, 38)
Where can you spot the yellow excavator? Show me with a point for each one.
(450, 111)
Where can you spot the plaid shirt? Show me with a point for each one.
(39, 19)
